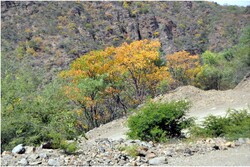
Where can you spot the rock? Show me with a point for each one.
(169, 152)
(47, 145)
(29, 149)
(142, 152)
(129, 142)
(4, 163)
(53, 162)
(7, 160)
(179, 149)
(138, 158)
(121, 140)
(239, 142)
(133, 163)
(150, 155)
(247, 140)
(187, 152)
(215, 147)
(148, 145)
(229, 144)
(87, 162)
(35, 163)
(23, 162)
(34, 156)
(6, 153)
(122, 162)
(43, 155)
(19, 149)
(158, 161)
(101, 149)
(144, 160)
(123, 157)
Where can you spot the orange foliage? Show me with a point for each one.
(135, 63)
(132, 63)
(183, 66)
(129, 67)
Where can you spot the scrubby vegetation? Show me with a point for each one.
(162, 121)
(234, 125)
(131, 150)
(32, 115)
(159, 121)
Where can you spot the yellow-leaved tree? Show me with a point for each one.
(184, 67)
(106, 83)
(136, 63)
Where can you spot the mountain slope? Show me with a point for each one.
(52, 34)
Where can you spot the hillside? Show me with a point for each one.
(105, 143)
(203, 102)
(52, 34)
(68, 68)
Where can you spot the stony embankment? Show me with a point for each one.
(107, 152)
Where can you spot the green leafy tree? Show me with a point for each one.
(31, 114)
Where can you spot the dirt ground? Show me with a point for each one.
(239, 156)
(204, 103)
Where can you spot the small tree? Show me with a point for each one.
(111, 80)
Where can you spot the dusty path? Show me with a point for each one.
(239, 156)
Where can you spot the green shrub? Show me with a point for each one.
(234, 125)
(31, 114)
(39, 119)
(132, 150)
(159, 121)
(215, 125)
(69, 148)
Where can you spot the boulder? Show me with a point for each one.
(19, 149)
(47, 145)
(230, 144)
(29, 149)
(23, 162)
(53, 162)
(188, 152)
(6, 153)
(33, 157)
(43, 155)
(150, 155)
(169, 152)
(146, 144)
(158, 161)
(35, 163)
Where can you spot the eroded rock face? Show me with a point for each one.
(107, 152)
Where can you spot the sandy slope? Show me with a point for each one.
(204, 103)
